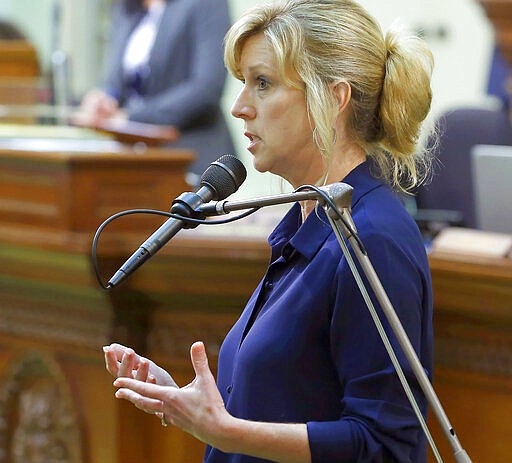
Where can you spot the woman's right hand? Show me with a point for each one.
(96, 106)
(122, 361)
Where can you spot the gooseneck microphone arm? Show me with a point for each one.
(337, 199)
(225, 207)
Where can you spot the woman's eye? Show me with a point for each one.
(262, 84)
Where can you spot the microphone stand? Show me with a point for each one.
(338, 212)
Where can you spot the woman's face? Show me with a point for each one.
(276, 118)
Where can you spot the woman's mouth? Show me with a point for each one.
(253, 140)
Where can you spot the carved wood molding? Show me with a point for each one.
(38, 422)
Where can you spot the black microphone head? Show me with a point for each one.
(224, 176)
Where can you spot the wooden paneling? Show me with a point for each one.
(58, 192)
(18, 59)
(473, 352)
(51, 308)
(19, 73)
(53, 196)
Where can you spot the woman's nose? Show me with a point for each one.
(242, 108)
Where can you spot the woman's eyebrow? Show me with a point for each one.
(257, 66)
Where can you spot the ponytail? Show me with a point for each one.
(404, 104)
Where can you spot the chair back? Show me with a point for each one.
(460, 130)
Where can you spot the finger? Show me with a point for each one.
(151, 379)
(153, 391)
(142, 402)
(111, 362)
(143, 370)
(126, 367)
(116, 350)
(199, 360)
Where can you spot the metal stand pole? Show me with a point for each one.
(339, 228)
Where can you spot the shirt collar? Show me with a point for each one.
(362, 181)
(309, 237)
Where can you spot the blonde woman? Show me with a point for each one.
(303, 375)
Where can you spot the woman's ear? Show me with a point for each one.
(343, 92)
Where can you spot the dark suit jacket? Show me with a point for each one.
(185, 76)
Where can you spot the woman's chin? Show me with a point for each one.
(259, 165)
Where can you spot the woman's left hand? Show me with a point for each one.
(197, 408)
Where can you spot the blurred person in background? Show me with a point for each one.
(164, 66)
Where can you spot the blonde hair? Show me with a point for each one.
(329, 41)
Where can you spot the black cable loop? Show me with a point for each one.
(100, 229)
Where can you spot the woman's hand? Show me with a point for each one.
(122, 361)
(99, 105)
(197, 408)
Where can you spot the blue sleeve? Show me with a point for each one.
(182, 102)
(377, 422)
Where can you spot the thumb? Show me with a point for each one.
(199, 359)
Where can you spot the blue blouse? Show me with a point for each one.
(305, 349)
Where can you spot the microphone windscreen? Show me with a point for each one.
(224, 176)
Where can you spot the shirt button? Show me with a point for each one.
(269, 285)
(229, 389)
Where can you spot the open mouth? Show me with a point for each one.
(253, 140)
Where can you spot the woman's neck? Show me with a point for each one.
(148, 3)
(346, 159)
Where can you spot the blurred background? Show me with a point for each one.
(72, 34)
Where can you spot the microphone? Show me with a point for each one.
(222, 178)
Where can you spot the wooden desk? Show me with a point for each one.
(473, 352)
(57, 192)
(18, 58)
(472, 323)
(209, 280)
(55, 397)
(54, 318)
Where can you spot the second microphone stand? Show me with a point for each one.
(336, 198)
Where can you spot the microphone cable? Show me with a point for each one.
(94, 254)
(196, 222)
